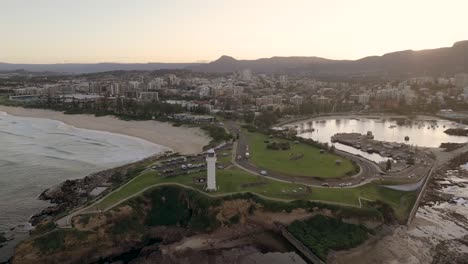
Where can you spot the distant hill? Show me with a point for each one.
(448, 60)
(78, 68)
(274, 64)
(432, 61)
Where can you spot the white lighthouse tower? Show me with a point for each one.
(211, 170)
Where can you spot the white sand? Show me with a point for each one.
(186, 140)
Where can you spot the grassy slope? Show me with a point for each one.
(230, 180)
(312, 164)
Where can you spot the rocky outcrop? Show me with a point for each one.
(457, 132)
(73, 193)
(451, 251)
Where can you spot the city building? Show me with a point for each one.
(461, 80)
(296, 100)
(465, 93)
(269, 100)
(149, 96)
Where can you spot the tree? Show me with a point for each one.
(249, 117)
(266, 119)
(389, 165)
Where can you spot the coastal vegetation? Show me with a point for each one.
(322, 233)
(217, 133)
(130, 224)
(57, 240)
(43, 228)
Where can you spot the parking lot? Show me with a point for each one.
(185, 165)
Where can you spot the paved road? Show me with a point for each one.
(175, 165)
(369, 170)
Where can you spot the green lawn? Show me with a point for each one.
(225, 160)
(311, 164)
(234, 180)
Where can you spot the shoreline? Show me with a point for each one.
(355, 116)
(156, 132)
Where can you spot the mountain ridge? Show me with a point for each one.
(438, 61)
(445, 60)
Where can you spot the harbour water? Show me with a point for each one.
(36, 154)
(421, 133)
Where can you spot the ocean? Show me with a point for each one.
(36, 154)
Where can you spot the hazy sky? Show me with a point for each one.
(57, 31)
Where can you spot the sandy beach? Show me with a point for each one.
(186, 140)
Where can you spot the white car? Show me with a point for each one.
(263, 172)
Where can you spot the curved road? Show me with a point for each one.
(369, 170)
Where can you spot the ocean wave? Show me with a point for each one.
(13, 134)
(95, 143)
(56, 158)
(4, 163)
(41, 153)
(60, 133)
(59, 150)
(84, 139)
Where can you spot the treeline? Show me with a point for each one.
(124, 108)
(322, 233)
(217, 133)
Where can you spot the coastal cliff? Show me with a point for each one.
(170, 223)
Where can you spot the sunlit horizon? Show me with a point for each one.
(186, 31)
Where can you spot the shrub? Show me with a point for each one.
(178, 206)
(321, 233)
(55, 240)
(43, 228)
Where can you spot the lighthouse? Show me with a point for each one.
(211, 170)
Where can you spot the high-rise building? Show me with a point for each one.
(211, 170)
(461, 80)
(296, 100)
(283, 80)
(465, 93)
